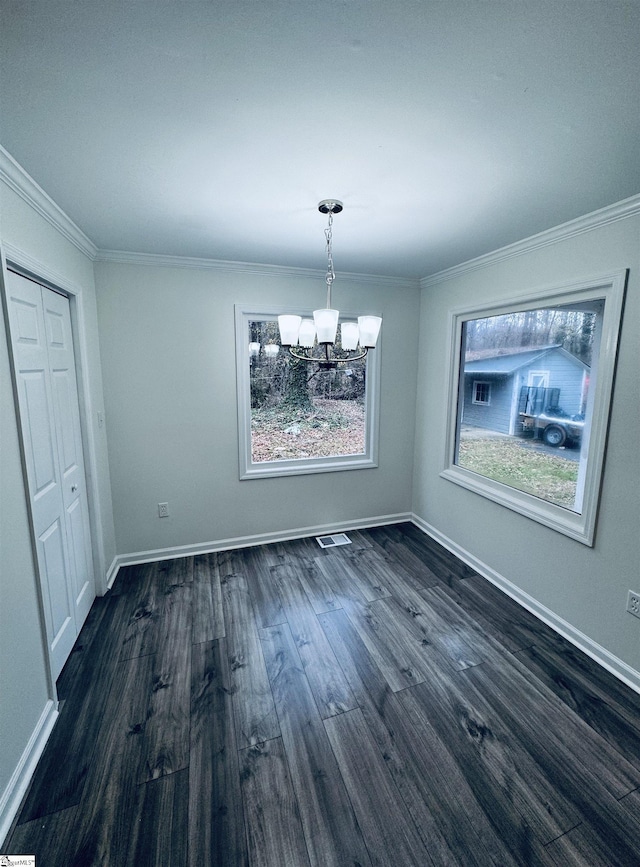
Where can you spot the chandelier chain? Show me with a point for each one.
(331, 275)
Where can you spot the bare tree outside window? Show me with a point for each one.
(299, 410)
(295, 417)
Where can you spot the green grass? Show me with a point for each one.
(550, 477)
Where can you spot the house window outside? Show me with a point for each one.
(530, 431)
(481, 392)
(295, 418)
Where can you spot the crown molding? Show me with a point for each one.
(612, 213)
(17, 179)
(124, 257)
(37, 269)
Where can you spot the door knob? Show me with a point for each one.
(74, 488)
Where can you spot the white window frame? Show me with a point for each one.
(474, 400)
(577, 525)
(299, 466)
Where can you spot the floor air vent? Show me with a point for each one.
(333, 541)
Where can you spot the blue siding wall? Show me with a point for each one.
(495, 415)
(564, 373)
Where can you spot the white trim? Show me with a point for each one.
(19, 783)
(41, 272)
(601, 655)
(610, 214)
(581, 524)
(248, 470)
(17, 179)
(158, 260)
(257, 539)
(112, 572)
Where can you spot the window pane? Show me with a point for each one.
(525, 381)
(299, 411)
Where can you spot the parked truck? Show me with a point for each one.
(541, 416)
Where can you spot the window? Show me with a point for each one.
(481, 391)
(294, 417)
(530, 389)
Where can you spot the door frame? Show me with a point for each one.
(27, 266)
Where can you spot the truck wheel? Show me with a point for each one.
(554, 435)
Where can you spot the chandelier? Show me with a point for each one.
(314, 340)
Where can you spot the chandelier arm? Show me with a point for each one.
(329, 358)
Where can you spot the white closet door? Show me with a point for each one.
(40, 324)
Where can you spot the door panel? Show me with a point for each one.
(41, 337)
(52, 554)
(38, 417)
(63, 402)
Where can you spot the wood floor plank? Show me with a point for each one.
(230, 562)
(257, 564)
(395, 652)
(542, 721)
(605, 842)
(216, 827)
(52, 838)
(127, 578)
(161, 808)
(253, 708)
(506, 782)
(208, 617)
(319, 592)
(434, 556)
(168, 720)
(91, 628)
(142, 634)
(107, 828)
(449, 819)
(612, 709)
(389, 832)
(67, 758)
(434, 627)
(274, 829)
(452, 620)
(326, 679)
(501, 616)
(397, 557)
(366, 580)
(371, 571)
(330, 827)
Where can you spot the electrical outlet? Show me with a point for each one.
(163, 510)
(633, 603)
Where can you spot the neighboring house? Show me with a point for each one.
(493, 383)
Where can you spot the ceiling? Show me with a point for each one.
(449, 128)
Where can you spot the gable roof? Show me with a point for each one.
(508, 361)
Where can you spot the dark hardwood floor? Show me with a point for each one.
(375, 704)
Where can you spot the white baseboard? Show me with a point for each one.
(249, 541)
(19, 783)
(600, 654)
(112, 571)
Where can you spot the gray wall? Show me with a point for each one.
(168, 355)
(23, 671)
(586, 587)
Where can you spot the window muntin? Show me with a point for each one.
(549, 471)
(481, 392)
(295, 418)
